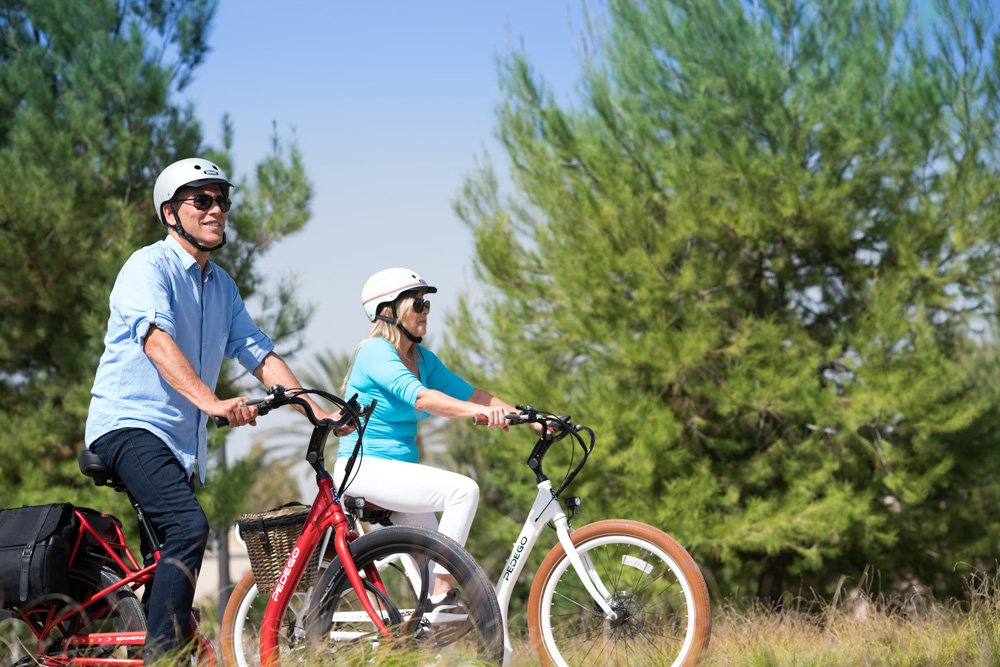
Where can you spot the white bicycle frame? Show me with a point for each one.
(544, 510)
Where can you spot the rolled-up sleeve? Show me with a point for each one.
(247, 343)
(141, 298)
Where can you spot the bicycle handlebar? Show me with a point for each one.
(278, 396)
(554, 429)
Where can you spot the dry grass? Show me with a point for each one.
(861, 630)
(856, 629)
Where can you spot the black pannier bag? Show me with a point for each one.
(35, 544)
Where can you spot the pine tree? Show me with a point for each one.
(85, 121)
(751, 258)
(89, 115)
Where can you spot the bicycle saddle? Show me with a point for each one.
(93, 467)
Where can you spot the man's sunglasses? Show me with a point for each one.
(420, 305)
(204, 202)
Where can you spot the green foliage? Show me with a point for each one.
(85, 123)
(87, 120)
(244, 488)
(752, 259)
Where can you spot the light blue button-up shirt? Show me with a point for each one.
(203, 312)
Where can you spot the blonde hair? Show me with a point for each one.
(391, 332)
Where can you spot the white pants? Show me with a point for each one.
(414, 492)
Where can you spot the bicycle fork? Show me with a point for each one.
(545, 509)
(290, 577)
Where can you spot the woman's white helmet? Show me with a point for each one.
(190, 172)
(383, 287)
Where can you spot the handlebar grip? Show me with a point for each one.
(221, 422)
(480, 420)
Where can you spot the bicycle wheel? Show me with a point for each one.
(408, 561)
(120, 611)
(241, 621)
(652, 584)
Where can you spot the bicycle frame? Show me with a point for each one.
(326, 513)
(545, 509)
(43, 620)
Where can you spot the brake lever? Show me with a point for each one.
(351, 411)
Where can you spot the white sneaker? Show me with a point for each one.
(445, 608)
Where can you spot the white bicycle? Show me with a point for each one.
(614, 592)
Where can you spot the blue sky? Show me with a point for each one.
(391, 104)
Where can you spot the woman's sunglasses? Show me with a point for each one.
(420, 305)
(204, 202)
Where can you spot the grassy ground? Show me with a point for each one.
(858, 630)
(862, 631)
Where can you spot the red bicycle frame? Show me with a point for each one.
(44, 620)
(325, 513)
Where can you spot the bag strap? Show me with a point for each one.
(27, 552)
(264, 539)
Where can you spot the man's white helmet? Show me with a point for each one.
(383, 287)
(190, 172)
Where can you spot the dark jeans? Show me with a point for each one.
(155, 478)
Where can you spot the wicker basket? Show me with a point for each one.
(269, 537)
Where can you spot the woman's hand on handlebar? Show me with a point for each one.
(336, 416)
(492, 416)
(482, 419)
(234, 411)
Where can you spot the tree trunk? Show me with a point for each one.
(225, 585)
(222, 534)
(771, 582)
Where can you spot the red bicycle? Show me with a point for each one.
(97, 619)
(378, 592)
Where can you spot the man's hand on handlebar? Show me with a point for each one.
(234, 411)
(239, 411)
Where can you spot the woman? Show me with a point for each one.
(410, 384)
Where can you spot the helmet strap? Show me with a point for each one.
(187, 237)
(399, 325)
(413, 339)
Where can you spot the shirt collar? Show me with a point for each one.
(187, 259)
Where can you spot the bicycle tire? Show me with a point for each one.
(240, 628)
(403, 556)
(236, 621)
(122, 613)
(656, 588)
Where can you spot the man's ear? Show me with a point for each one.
(168, 214)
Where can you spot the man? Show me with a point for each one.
(174, 314)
